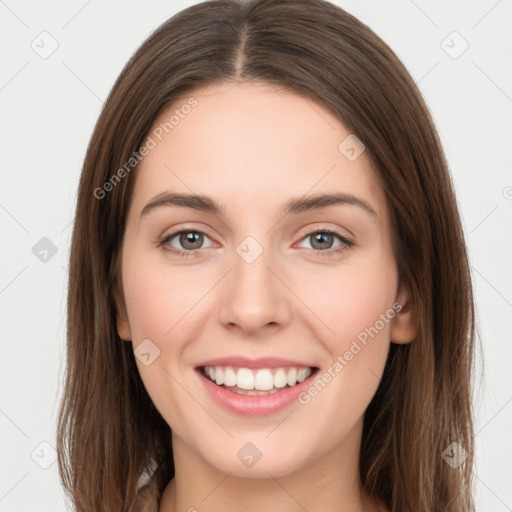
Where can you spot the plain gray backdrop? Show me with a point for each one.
(58, 63)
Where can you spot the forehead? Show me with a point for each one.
(253, 143)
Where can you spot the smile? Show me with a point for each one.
(256, 388)
(262, 381)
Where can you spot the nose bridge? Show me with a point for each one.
(251, 274)
(254, 296)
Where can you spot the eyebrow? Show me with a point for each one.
(293, 206)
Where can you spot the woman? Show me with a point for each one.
(312, 347)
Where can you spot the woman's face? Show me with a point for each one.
(257, 280)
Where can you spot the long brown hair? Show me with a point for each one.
(110, 434)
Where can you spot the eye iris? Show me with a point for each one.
(193, 237)
(322, 238)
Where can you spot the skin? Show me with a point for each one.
(252, 147)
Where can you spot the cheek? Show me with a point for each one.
(356, 304)
(160, 308)
(164, 307)
(346, 302)
(156, 301)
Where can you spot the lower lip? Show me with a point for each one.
(254, 405)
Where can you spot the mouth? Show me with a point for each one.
(260, 386)
(257, 381)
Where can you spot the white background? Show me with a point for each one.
(48, 108)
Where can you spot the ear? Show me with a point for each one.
(403, 326)
(123, 326)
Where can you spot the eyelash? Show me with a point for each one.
(346, 243)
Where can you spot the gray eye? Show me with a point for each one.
(321, 240)
(189, 240)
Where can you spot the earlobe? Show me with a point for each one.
(123, 326)
(403, 327)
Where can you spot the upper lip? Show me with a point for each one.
(247, 362)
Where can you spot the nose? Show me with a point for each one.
(253, 296)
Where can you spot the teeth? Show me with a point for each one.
(230, 377)
(303, 374)
(280, 378)
(291, 377)
(263, 380)
(256, 382)
(244, 378)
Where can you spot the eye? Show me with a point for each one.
(191, 242)
(190, 239)
(322, 242)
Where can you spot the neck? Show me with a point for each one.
(329, 482)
